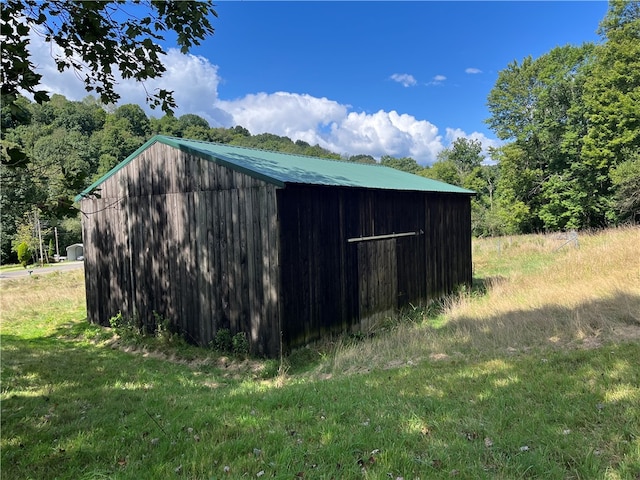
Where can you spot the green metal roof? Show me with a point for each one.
(284, 168)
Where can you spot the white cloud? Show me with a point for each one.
(404, 78)
(472, 70)
(385, 133)
(282, 113)
(331, 125)
(322, 121)
(437, 80)
(194, 81)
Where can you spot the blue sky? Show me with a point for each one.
(396, 78)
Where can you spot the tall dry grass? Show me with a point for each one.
(541, 292)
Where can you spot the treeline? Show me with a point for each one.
(569, 120)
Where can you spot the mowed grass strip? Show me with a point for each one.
(75, 407)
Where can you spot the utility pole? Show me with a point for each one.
(55, 231)
(40, 238)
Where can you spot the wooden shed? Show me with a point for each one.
(284, 248)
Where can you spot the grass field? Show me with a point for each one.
(533, 373)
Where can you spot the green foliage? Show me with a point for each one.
(612, 101)
(443, 170)
(222, 341)
(626, 180)
(240, 344)
(95, 37)
(24, 254)
(226, 343)
(362, 159)
(126, 327)
(571, 117)
(405, 164)
(531, 105)
(464, 154)
(462, 164)
(135, 120)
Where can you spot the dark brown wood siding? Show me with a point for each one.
(174, 236)
(330, 284)
(178, 237)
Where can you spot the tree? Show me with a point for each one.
(406, 164)
(538, 106)
(612, 101)
(461, 164)
(194, 127)
(167, 125)
(464, 153)
(362, 159)
(192, 120)
(515, 190)
(24, 254)
(62, 165)
(137, 121)
(626, 180)
(18, 193)
(96, 39)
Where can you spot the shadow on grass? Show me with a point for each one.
(589, 324)
(76, 410)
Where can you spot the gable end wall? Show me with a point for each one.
(178, 238)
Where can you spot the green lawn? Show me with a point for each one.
(77, 405)
(71, 409)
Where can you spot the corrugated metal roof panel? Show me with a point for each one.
(283, 168)
(289, 168)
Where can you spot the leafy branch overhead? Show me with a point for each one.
(97, 40)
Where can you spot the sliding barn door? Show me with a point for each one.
(377, 280)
